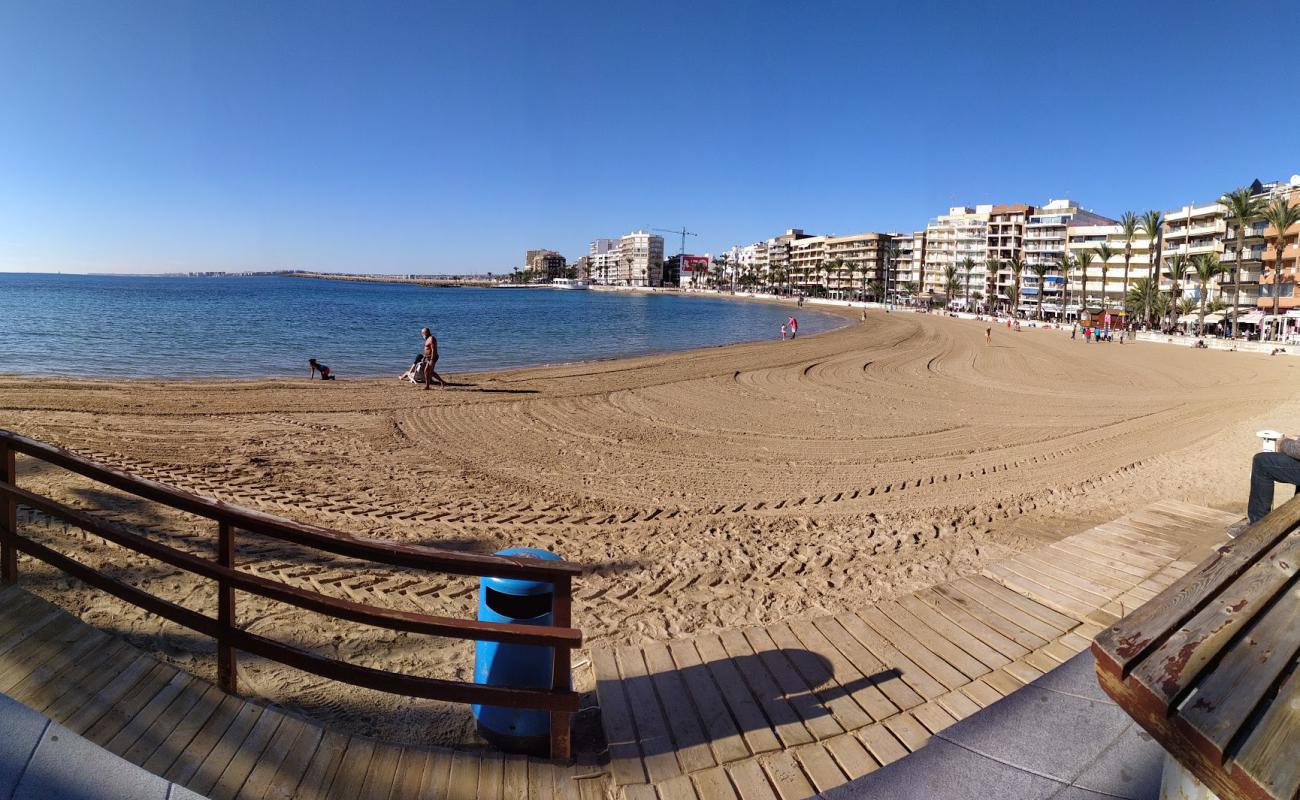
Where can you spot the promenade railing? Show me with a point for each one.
(559, 700)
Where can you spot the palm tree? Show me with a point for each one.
(1138, 295)
(1207, 268)
(1242, 208)
(950, 283)
(874, 289)
(967, 267)
(1017, 267)
(991, 268)
(891, 263)
(1178, 267)
(1040, 269)
(1280, 216)
(1151, 224)
(1128, 231)
(852, 268)
(1063, 263)
(1104, 253)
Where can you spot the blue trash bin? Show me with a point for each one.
(520, 666)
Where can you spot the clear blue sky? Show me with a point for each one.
(424, 137)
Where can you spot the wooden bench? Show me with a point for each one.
(1209, 666)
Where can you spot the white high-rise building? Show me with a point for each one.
(602, 257)
(640, 259)
(952, 238)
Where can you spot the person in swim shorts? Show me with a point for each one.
(430, 358)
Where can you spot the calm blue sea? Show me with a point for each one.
(269, 326)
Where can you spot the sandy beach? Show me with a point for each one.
(735, 485)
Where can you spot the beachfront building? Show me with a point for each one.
(602, 257)
(951, 239)
(1280, 269)
(545, 265)
(1046, 238)
(640, 259)
(1006, 240)
(807, 254)
(909, 260)
(1103, 288)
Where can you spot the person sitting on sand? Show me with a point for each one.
(316, 366)
(1267, 468)
(430, 358)
(415, 372)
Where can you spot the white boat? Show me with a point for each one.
(568, 283)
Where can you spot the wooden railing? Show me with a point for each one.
(559, 699)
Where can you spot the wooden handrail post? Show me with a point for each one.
(8, 518)
(562, 614)
(227, 669)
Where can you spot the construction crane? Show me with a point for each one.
(682, 233)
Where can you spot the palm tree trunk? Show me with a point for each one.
(1279, 245)
(1236, 283)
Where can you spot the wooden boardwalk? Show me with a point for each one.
(792, 709)
(782, 711)
(222, 746)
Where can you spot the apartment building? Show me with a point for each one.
(1280, 269)
(1046, 242)
(908, 263)
(950, 239)
(1006, 240)
(545, 265)
(602, 257)
(640, 259)
(1103, 287)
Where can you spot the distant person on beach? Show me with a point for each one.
(1267, 468)
(988, 335)
(794, 327)
(316, 366)
(415, 372)
(783, 331)
(430, 358)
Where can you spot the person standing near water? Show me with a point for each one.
(794, 327)
(430, 358)
(783, 331)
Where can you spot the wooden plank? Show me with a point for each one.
(1223, 700)
(944, 675)
(981, 693)
(74, 685)
(750, 781)
(753, 723)
(1111, 547)
(933, 717)
(437, 774)
(826, 673)
(19, 673)
(973, 626)
(1024, 639)
(169, 748)
(944, 639)
(1022, 671)
(657, 748)
(887, 680)
(92, 647)
(463, 781)
(713, 784)
(819, 766)
(292, 734)
(119, 714)
(103, 700)
(410, 771)
(798, 692)
(1268, 754)
(958, 705)
(567, 783)
(1041, 662)
(789, 728)
(907, 730)
(187, 762)
(636, 791)
(882, 744)
(227, 747)
(322, 768)
(514, 777)
(1075, 580)
(149, 714)
(719, 728)
(678, 788)
(1038, 592)
(1016, 607)
(166, 728)
(541, 782)
(246, 755)
(684, 725)
(786, 776)
(1086, 575)
(29, 646)
(1002, 681)
(616, 717)
(1071, 550)
(491, 778)
(1057, 581)
(1174, 665)
(851, 756)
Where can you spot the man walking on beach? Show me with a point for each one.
(1267, 468)
(794, 327)
(430, 358)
